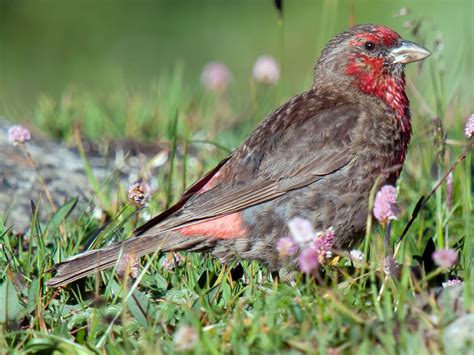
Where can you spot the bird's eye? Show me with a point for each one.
(370, 46)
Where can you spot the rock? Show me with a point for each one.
(27, 171)
(451, 299)
(458, 337)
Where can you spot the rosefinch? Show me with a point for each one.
(316, 157)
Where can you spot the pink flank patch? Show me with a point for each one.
(225, 227)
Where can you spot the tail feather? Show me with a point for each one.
(94, 261)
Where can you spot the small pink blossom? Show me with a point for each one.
(266, 70)
(356, 255)
(171, 261)
(130, 263)
(317, 250)
(308, 260)
(18, 135)
(301, 230)
(323, 244)
(216, 76)
(286, 246)
(453, 282)
(445, 258)
(139, 193)
(469, 129)
(385, 204)
(316, 247)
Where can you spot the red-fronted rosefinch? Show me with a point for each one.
(316, 157)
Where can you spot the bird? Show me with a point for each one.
(316, 157)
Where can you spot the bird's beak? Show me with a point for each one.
(408, 52)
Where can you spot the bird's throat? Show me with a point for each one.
(373, 78)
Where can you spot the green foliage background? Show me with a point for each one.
(47, 46)
(115, 69)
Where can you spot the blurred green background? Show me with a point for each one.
(48, 46)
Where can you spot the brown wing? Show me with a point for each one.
(297, 145)
(292, 148)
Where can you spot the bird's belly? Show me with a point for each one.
(339, 200)
(330, 202)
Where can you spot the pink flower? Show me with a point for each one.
(445, 258)
(453, 282)
(139, 193)
(18, 135)
(469, 129)
(385, 204)
(130, 263)
(356, 255)
(216, 76)
(266, 70)
(171, 261)
(316, 247)
(318, 250)
(308, 260)
(301, 230)
(323, 244)
(286, 246)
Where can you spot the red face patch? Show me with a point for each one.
(388, 36)
(381, 35)
(373, 77)
(371, 74)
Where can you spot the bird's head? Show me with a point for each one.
(370, 58)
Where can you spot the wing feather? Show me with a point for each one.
(263, 168)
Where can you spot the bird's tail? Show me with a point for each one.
(94, 261)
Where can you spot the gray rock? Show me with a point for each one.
(451, 299)
(458, 337)
(26, 171)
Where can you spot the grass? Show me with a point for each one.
(238, 309)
